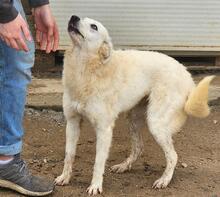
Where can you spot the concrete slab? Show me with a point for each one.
(47, 93)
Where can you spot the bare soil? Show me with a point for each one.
(197, 173)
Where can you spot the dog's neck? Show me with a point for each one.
(86, 62)
(86, 70)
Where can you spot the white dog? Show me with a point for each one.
(99, 83)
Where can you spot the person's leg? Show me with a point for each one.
(15, 75)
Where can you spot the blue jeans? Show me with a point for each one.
(15, 75)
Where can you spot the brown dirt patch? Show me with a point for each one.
(197, 145)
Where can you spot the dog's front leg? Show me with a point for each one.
(72, 136)
(104, 138)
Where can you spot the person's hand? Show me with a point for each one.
(46, 29)
(15, 32)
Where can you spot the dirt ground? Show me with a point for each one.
(198, 146)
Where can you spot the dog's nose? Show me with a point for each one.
(74, 19)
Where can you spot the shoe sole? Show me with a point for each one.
(19, 189)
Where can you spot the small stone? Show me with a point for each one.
(53, 165)
(39, 165)
(30, 111)
(45, 160)
(31, 162)
(215, 121)
(45, 111)
(184, 165)
(43, 129)
(37, 113)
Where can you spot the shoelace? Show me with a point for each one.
(24, 169)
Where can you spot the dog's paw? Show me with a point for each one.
(62, 180)
(94, 189)
(120, 168)
(161, 183)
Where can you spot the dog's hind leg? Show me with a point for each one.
(164, 120)
(165, 141)
(72, 136)
(136, 122)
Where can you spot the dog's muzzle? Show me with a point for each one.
(73, 25)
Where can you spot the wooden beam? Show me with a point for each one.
(43, 62)
(217, 61)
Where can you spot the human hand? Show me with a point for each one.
(15, 32)
(47, 34)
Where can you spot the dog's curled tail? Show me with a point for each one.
(197, 102)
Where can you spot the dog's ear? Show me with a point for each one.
(105, 52)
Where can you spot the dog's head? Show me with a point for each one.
(90, 35)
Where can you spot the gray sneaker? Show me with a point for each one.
(15, 176)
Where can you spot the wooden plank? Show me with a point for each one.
(217, 61)
(203, 69)
(43, 62)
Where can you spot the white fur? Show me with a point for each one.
(99, 83)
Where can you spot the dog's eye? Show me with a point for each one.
(93, 26)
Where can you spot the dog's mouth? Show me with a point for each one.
(73, 28)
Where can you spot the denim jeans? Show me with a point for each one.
(15, 75)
